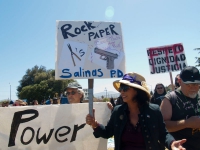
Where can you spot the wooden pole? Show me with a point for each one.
(90, 92)
(172, 84)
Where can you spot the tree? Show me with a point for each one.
(39, 83)
(197, 58)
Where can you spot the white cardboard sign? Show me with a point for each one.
(168, 58)
(51, 127)
(88, 49)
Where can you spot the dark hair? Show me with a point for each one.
(142, 98)
(176, 81)
(155, 91)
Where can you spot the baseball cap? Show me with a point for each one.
(74, 85)
(190, 75)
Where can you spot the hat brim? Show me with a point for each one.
(188, 82)
(117, 83)
(72, 87)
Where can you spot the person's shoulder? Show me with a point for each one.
(120, 107)
(154, 106)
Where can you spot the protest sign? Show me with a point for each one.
(88, 50)
(167, 58)
(51, 127)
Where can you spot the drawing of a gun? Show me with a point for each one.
(108, 56)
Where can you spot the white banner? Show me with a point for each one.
(168, 58)
(51, 127)
(88, 50)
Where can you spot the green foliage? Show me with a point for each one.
(106, 99)
(167, 88)
(197, 58)
(39, 83)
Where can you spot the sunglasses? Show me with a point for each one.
(124, 87)
(159, 88)
(71, 93)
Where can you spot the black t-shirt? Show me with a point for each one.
(157, 100)
(183, 108)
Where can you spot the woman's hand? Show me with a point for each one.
(177, 145)
(90, 120)
(110, 106)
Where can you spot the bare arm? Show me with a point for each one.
(166, 110)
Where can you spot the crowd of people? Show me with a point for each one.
(142, 121)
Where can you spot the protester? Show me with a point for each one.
(75, 93)
(181, 109)
(19, 102)
(48, 102)
(5, 104)
(64, 99)
(136, 124)
(35, 102)
(159, 94)
(55, 100)
(177, 81)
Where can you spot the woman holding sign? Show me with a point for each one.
(136, 124)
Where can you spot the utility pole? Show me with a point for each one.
(10, 91)
(106, 91)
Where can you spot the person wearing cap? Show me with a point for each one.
(75, 93)
(181, 109)
(136, 124)
(159, 94)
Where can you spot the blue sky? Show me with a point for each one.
(28, 34)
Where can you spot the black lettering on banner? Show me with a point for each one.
(150, 62)
(96, 36)
(165, 60)
(90, 34)
(45, 140)
(163, 69)
(62, 134)
(111, 29)
(171, 58)
(81, 52)
(107, 33)
(76, 128)
(170, 50)
(89, 25)
(17, 120)
(33, 133)
(148, 52)
(182, 56)
(157, 69)
(101, 32)
(176, 58)
(77, 31)
(64, 31)
(83, 28)
(158, 61)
